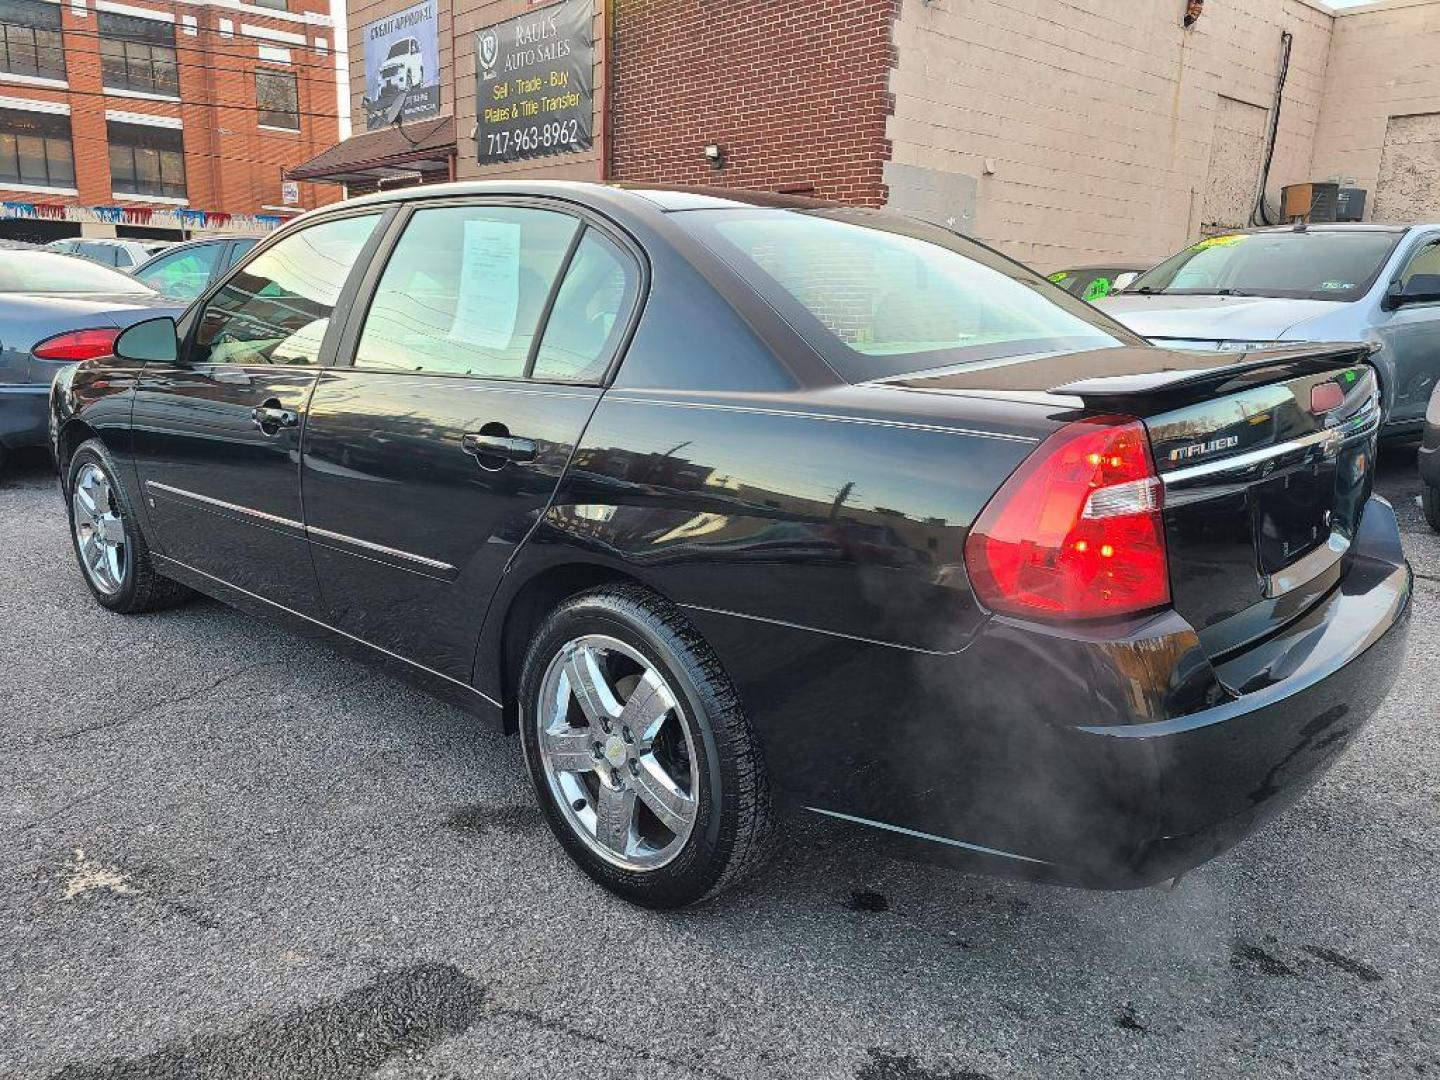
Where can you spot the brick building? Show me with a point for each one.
(1058, 131)
(157, 117)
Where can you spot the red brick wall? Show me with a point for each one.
(231, 163)
(795, 92)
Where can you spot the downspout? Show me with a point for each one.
(1260, 214)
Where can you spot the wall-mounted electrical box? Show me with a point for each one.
(1309, 202)
(1350, 204)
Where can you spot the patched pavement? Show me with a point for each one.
(227, 852)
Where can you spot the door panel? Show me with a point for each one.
(1411, 335)
(409, 531)
(217, 438)
(427, 463)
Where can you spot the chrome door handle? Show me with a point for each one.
(267, 416)
(500, 446)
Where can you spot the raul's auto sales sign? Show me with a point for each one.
(535, 84)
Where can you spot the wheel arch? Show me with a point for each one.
(73, 433)
(523, 612)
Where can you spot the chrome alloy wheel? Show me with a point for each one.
(616, 753)
(99, 530)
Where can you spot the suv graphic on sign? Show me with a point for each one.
(404, 67)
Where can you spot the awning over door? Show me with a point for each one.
(417, 152)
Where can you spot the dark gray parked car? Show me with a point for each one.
(55, 310)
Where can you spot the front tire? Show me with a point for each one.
(105, 533)
(640, 753)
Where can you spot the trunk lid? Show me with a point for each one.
(1267, 461)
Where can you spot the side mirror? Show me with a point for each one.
(153, 341)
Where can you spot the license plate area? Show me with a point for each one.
(1293, 514)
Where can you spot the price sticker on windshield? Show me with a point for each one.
(1218, 241)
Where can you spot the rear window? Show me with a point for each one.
(1308, 265)
(879, 296)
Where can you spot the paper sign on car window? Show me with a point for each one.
(489, 285)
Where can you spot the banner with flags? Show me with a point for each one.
(156, 217)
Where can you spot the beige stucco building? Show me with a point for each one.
(1061, 131)
(1068, 132)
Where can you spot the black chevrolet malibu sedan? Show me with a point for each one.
(728, 503)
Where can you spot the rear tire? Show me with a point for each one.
(105, 534)
(1430, 503)
(699, 815)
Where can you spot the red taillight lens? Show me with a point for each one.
(1076, 532)
(78, 345)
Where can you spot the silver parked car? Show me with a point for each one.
(1248, 290)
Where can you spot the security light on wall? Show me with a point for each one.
(715, 154)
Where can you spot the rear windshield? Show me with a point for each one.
(47, 272)
(1311, 265)
(877, 295)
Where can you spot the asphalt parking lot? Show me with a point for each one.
(226, 852)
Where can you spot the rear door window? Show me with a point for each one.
(583, 332)
(465, 289)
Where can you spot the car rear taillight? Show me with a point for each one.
(76, 345)
(1076, 532)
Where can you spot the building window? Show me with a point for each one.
(30, 42)
(146, 160)
(138, 54)
(35, 149)
(278, 5)
(277, 99)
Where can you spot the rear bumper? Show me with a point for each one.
(1220, 773)
(1115, 760)
(23, 411)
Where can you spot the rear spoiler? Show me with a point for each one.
(1171, 389)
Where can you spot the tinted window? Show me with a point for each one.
(48, 272)
(1312, 265)
(239, 249)
(276, 309)
(585, 325)
(1424, 261)
(103, 254)
(138, 54)
(182, 274)
(879, 295)
(146, 160)
(30, 40)
(464, 290)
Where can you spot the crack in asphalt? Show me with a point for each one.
(156, 706)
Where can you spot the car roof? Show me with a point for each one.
(663, 196)
(1123, 265)
(1337, 226)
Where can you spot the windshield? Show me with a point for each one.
(400, 48)
(47, 272)
(879, 296)
(1308, 265)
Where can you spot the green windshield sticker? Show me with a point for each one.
(1098, 288)
(1218, 241)
(1059, 276)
